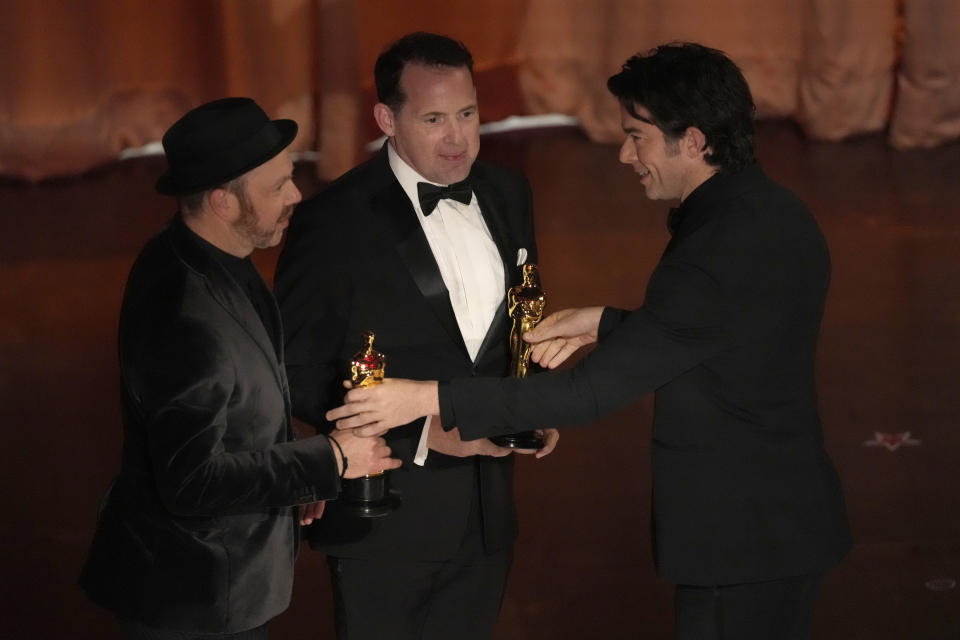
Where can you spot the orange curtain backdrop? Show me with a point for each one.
(82, 80)
(839, 67)
(828, 63)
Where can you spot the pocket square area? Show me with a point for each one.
(521, 256)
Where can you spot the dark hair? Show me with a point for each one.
(682, 85)
(423, 48)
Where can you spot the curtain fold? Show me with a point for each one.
(927, 110)
(847, 77)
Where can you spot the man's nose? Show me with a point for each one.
(293, 194)
(454, 132)
(627, 153)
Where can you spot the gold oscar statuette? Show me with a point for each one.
(525, 304)
(368, 496)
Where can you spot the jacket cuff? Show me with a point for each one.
(610, 318)
(448, 417)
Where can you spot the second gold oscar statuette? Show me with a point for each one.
(368, 496)
(525, 304)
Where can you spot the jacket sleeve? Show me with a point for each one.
(185, 388)
(679, 326)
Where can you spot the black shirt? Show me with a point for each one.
(246, 275)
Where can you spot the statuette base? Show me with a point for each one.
(523, 440)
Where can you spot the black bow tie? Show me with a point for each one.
(431, 194)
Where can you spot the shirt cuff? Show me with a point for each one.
(422, 448)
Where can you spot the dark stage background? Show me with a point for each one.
(888, 365)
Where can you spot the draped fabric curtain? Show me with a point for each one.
(839, 67)
(82, 80)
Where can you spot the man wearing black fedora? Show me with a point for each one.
(198, 532)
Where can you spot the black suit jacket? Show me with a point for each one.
(727, 335)
(198, 531)
(356, 259)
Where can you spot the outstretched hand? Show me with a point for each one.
(560, 334)
(396, 401)
(449, 443)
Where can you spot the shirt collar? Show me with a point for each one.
(407, 176)
(716, 188)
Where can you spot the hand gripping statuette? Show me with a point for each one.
(525, 303)
(368, 496)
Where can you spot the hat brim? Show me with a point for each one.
(167, 184)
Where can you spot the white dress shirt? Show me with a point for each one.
(469, 262)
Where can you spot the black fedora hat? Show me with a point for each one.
(219, 141)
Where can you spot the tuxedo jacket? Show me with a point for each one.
(199, 530)
(356, 259)
(727, 337)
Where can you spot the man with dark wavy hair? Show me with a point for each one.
(747, 508)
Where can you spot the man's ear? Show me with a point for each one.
(223, 204)
(695, 143)
(384, 117)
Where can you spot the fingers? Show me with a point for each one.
(544, 330)
(356, 402)
(552, 354)
(311, 512)
(367, 456)
(487, 448)
(353, 419)
(560, 356)
(367, 431)
(392, 463)
(541, 349)
(552, 437)
(546, 352)
(524, 452)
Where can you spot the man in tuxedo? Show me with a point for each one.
(198, 533)
(747, 507)
(419, 245)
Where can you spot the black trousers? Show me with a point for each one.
(133, 630)
(773, 610)
(377, 599)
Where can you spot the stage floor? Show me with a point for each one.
(887, 376)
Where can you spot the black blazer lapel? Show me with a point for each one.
(399, 220)
(492, 207)
(228, 294)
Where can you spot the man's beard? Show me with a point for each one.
(247, 225)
